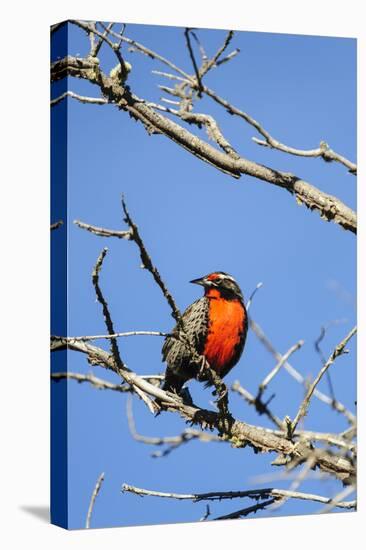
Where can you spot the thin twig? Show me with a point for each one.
(150, 53)
(336, 405)
(260, 406)
(238, 433)
(95, 50)
(104, 37)
(334, 502)
(249, 302)
(225, 495)
(193, 59)
(206, 514)
(248, 510)
(106, 314)
(214, 61)
(93, 380)
(172, 442)
(104, 384)
(200, 46)
(56, 225)
(170, 76)
(68, 339)
(229, 57)
(147, 264)
(102, 231)
(81, 98)
(319, 351)
(329, 207)
(263, 385)
(322, 151)
(93, 497)
(338, 350)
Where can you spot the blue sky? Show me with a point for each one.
(194, 220)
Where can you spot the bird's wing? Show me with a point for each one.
(195, 320)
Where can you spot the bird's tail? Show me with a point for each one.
(172, 382)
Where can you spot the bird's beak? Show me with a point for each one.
(200, 281)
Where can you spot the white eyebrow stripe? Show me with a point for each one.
(221, 276)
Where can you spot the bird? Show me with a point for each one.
(215, 326)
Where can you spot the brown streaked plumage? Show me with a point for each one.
(216, 326)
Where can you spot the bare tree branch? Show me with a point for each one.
(329, 207)
(338, 350)
(323, 150)
(334, 502)
(147, 264)
(93, 380)
(224, 495)
(56, 225)
(106, 314)
(90, 28)
(336, 405)
(330, 439)
(150, 53)
(263, 385)
(248, 510)
(260, 406)
(214, 61)
(102, 232)
(121, 368)
(81, 98)
(154, 379)
(238, 433)
(92, 500)
(172, 442)
(67, 339)
(193, 59)
(95, 50)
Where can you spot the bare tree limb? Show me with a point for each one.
(206, 514)
(67, 339)
(95, 50)
(214, 61)
(323, 150)
(329, 207)
(193, 59)
(81, 98)
(93, 380)
(92, 500)
(338, 350)
(106, 314)
(336, 405)
(150, 53)
(260, 406)
(172, 442)
(224, 495)
(102, 232)
(147, 264)
(109, 324)
(263, 385)
(248, 510)
(90, 28)
(238, 433)
(334, 502)
(56, 225)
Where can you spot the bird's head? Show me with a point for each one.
(220, 284)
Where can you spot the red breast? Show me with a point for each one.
(226, 330)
